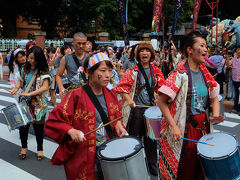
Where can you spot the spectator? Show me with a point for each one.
(218, 60)
(235, 62)
(1, 66)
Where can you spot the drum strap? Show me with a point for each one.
(78, 65)
(193, 122)
(31, 82)
(98, 106)
(149, 90)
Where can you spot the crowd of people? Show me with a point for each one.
(94, 85)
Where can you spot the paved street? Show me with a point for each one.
(11, 167)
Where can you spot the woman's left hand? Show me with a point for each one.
(121, 131)
(217, 119)
(24, 94)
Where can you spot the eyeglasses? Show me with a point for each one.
(81, 43)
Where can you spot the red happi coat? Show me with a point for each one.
(77, 111)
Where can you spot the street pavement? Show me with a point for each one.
(12, 168)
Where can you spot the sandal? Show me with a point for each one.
(23, 154)
(40, 155)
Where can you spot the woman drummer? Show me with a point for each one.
(77, 115)
(134, 80)
(183, 100)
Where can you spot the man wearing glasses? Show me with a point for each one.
(71, 63)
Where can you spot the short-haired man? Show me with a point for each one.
(72, 62)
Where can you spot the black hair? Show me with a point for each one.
(238, 46)
(188, 41)
(132, 54)
(40, 59)
(52, 44)
(51, 50)
(14, 59)
(63, 48)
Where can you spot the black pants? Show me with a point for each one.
(38, 129)
(136, 127)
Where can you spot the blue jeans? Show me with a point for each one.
(236, 86)
(229, 87)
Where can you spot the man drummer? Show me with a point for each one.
(72, 62)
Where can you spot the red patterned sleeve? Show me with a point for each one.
(159, 77)
(125, 83)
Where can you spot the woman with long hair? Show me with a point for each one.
(36, 68)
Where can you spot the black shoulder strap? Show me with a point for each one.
(98, 106)
(78, 65)
(149, 90)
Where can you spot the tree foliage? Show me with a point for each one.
(79, 15)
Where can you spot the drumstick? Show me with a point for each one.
(104, 125)
(143, 106)
(196, 141)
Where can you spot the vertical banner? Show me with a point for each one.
(157, 13)
(120, 4)
(176, 14)
(196, 9)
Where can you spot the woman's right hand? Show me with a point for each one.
(76, 135)
(131, 103)
(14, 90)
(62, 93)
(176, 133)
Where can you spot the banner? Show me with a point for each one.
(196, 9)
(157, 13)
(176, 14)
(120, 4)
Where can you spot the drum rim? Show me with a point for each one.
(12, 105)
(159, 119)
(222, 157)
(101, 157)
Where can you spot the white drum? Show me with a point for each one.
(18, 115)
(123, 159)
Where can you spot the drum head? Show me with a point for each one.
(224, 144)
(119, 148)
(153, 113)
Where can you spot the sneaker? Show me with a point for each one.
(153, 168)
(234, 111)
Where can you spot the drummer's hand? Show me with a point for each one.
(62, 93)
(76, 135)
(14, 90)
(131, 103)
(217, 120)
(121, 131)
(24, 94)
(176, 133)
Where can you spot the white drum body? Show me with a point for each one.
(123, 159)
(153, 117)
(18, 115)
